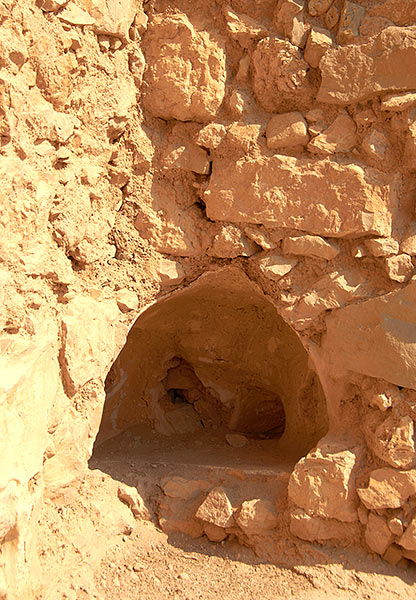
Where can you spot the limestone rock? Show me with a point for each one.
(260, 237)
(188, 157)
(377, 534)
(214, 533)
(280, 75)
(393, 441)
(111, 17)
(170, 272)
(275, 266)
(230, 242)
(384, 64)
(332, 17)
(285, 12)
(357, 199)
(127, 300)
(130, 496)
(396, 526)
(74, 15)
(185, 78)
(349, 22)
(319, 41)
(242, 28)
(323, 482)
(399, 268)
(382, 395)
(339, 137)
(408, 539)
(256, 517)
(410, 146)
(310, 245)
(401, 12)
(393, 554)
(211, 135)
(312, 528)
(381, 344)
(85, 358)
(318, 7)
(216, 509)
(285, 130)
(398, 102)
(375, 145)
(382, 247)
(388, 488)
(184, 489)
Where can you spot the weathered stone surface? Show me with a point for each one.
(211, 135)
(310, 245)
(256, 516)
(280, 75)
(187, 157)
(184, 489)
(357, 199)
(111, 17)
(185, 79)
(388, 488)
(323, 483)
(375, 144)
(318, 7)
(400, 268)
(339, 137)
(398, 102)
(170, 272)
(375, 337)
(242, 28)
(74, 15)
(408, 539)
(130, 496)
(401, 12)
(276, 266)
(287, 129)
(85, 358)
(216, 509)
(231, 242)
(349, 22)
(377, 534)
(313, 528)
(384, 64)
(382, 247)
(127, 300)
(285, 12)
(319, 41)
(393, 441)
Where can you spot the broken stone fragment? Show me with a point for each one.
(285, 12)
(393, 554)
(236, 440)
(396, 526)
(377, 534)
(355, 73)
(170, 272)
(286, 130)
(393, 440)
(111, 17)
(410, 146)
(375, 144)
(398, 102)
(399, 268)
(214, 533)
(382, 247)
(130, 496)
(357, 198)
(127, 300)
(74, 15)
(310, 245)
(275, 266)
(216, 509)
(408, 245)
(408, 539)
(349, 22)
(382, 395)
(323, 482)
(211, 135)
(332, 17)
(319, 41)
(230, 242)
(312, 528)
(242, 28)
(256, 517)
(365, 118)
(339, 137)
(184, 489)
(260, 237)
(186, 80)
(52, 5)
(317, 8)
(388, 488)
(189, 158)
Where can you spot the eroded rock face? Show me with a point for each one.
(185, 78)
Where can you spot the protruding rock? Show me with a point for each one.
(382, 247)
(188, 157)
(375, 144)
(332, 17)
(286, 130)
(398, 102)
(285, 12)
(170, 272)
(214, 533)
(231, 242)
(127, 300)
(319, 41)
(111, 17)
(130, 496)
(236, 440)
(216, 509)
(388, 488)
(256, 517)
(310, 245)
(393, 554)
(242, 28)
(349, 22)
(377, 534)
(408, 539)
(185, 79)
(211, 135)
(312, 528)
(74, 15)
(339, 137)
(399, 268)
(317, 8)
(276, 266)
(393, 440)
(356, 72)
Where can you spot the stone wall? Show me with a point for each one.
(143, 144)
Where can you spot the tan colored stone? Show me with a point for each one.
(393, 441)
(393, 554)
(211, 135)
(186, 80)
(214, 533)
(188, 157)
(396, 526)
(377, 535)
(170, 272)
(375, 144)
(382, 395)
(130, 496)
(408, 245)
(319, 41)
(339, 137)
(410, 146)
(280, 75)
(408, 539)
(382, 346)
(357, 72)
(230, 242)
(275, 266)
(286, 130)
(317, 8)
(111, 17)
(365, 118)
(310, 245)
(260, 237)
(357, 199)
(236, 440)
(184, 489)
(401, 12)
(285, 12)
(398, 102)
(388, 488)
(256, 517)
(216, 509)
(323, 482)
(349, 22)
(74, 15)
(382, 247)
(242, 28)
(399, 268)
(312, 528)
(127, 300)
(332, 17)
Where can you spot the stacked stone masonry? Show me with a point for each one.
(145, 143)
